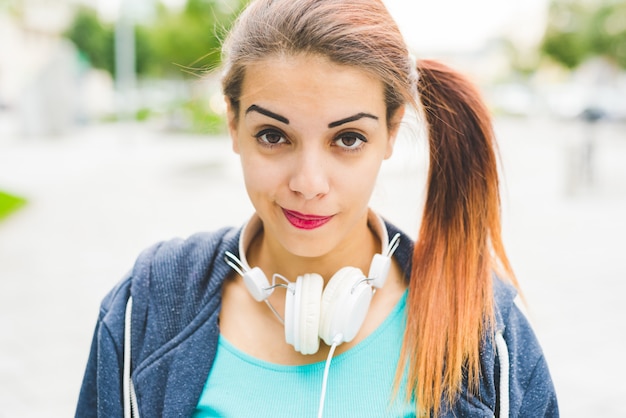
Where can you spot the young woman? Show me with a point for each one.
(316, 306)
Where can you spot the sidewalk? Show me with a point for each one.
(102, 194)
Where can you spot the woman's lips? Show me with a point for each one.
(302, 221)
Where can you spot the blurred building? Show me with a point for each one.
(45, 85)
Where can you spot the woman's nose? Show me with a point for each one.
(309, 177)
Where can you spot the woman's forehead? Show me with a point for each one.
(311, 82)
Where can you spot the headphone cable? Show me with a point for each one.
(336, 341)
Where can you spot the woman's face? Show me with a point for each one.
(311, 136)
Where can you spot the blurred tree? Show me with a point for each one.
(578, 30)
(610, 32)
(144, 51)
(190, 41)
(566, 39)
(93, 38)
(173, 43)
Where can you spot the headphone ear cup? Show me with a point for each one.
(302, 313)
(345, 302)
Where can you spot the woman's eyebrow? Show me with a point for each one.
(352, 119)
(269, 113)
(280, 118)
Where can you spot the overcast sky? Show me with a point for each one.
(462, 24)
(440, 25)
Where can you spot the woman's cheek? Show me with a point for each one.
(261, 176)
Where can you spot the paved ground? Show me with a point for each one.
(100, 195)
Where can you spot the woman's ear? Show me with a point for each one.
(394, 127)
(232, 119)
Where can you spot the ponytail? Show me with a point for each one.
(450, 308)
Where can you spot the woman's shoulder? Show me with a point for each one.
(517, 331)
(182, 265)
(178, 275)
(510, 308)
(197, 249)
(506, 297)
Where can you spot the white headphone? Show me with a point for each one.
(334, 314)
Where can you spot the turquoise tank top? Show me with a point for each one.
(360, 381)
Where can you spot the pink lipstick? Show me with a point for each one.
(302, 221)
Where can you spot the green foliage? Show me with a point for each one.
(144, 50)
(9, 204)
(173, 44)
(201, 119)
(610, 39)
(143, 114)
(95, 41)
(93, 38)
(566, 48)
(578, 30)
(189, 42)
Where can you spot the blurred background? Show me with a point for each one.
(112, 137)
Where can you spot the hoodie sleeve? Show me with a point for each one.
(176, 288)
(87, 399)
(100, 393)
(531, 391)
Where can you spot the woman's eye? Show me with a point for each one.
(350, 140)
(270, 137)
